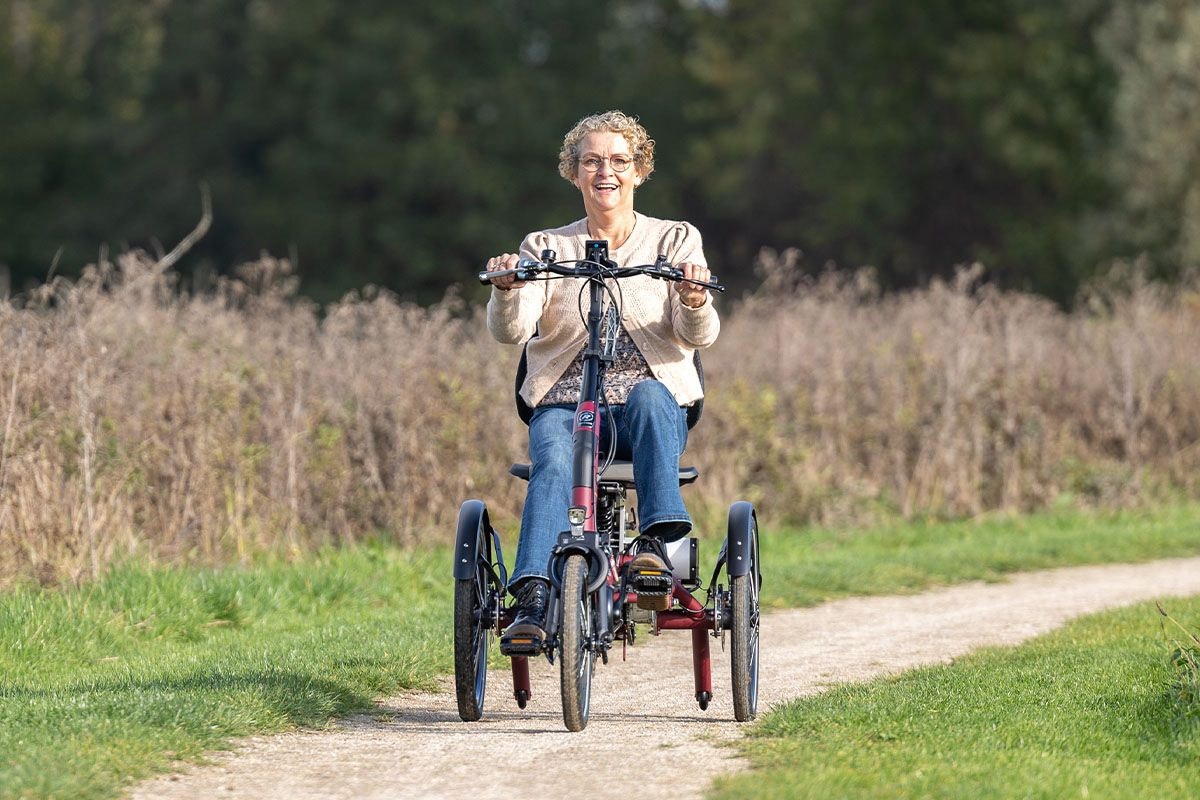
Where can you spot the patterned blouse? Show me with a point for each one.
(629, 368)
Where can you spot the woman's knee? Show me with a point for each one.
(552, 461)
(550, 441)
(651, 395)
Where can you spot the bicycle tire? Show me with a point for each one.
(577, 658)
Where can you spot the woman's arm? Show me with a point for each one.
(694, 320)
(513, 314)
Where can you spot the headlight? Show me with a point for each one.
(576, 515)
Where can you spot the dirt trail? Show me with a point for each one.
(644, 719)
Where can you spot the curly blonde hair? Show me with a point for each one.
(609, 122)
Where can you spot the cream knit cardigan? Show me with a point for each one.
(664, 329)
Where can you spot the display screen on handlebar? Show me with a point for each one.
(597, 251)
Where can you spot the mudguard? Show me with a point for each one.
(589, 546)
(473, 525)
(739, 541)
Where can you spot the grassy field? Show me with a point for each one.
(105, 683)
(1093, 710)
(113, 680)
(803, 567)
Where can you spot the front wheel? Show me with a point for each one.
(473, 598)
(743, 596)
(578, 656)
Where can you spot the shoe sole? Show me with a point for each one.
(659, 603)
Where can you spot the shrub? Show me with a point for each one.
(140, 418)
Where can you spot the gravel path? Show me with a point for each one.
(644, 718)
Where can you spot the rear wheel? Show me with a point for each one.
(743, 596)
(473, 597)
(578, 657)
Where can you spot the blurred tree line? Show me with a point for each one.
(402, 143)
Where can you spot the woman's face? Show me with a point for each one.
(606, 189)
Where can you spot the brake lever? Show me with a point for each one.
(663, 270)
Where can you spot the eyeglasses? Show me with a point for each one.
(618, 163)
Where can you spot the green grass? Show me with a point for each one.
(106, 683)
(804, 567)
(1092, 710)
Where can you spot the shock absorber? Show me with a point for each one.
(612, 503)
(605, 512)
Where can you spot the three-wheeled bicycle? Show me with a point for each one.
(592, 601)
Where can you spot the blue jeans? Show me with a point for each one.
(651, 431)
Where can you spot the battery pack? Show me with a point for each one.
(685, 561)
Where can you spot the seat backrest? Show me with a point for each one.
(523, 409)
(697, 408)
(526, 413)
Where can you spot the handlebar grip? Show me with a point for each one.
(709, 284)
(485, 277)
(524, 270)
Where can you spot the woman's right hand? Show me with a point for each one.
(505, 261)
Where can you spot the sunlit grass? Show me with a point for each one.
(807, 566)
(108, 682)
(1087, 711)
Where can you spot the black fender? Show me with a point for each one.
(473, 526)
(588, 545)
(741, 540)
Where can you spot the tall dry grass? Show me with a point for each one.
(136, 418)
(958, 399)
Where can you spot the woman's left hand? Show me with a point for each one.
(690, 294)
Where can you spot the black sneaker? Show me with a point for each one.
(527, 632)
(650, 575)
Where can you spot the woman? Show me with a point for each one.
(653, 378)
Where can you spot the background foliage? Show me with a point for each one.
(400, 143)
(140, 421)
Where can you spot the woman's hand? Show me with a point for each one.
(505, 261)
(690, 294)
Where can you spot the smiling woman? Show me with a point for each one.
(637, 140)
(652, 378)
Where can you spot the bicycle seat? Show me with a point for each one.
(617, 472)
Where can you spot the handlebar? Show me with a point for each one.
(528, 269)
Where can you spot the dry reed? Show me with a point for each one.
(139, 419)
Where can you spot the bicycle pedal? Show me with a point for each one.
(521, 645)
(653, 588)
(652, 581)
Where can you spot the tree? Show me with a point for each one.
(373, 142)
(401, 144)
(908, 136)
(1154, 46)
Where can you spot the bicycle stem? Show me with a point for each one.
(586, 435)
